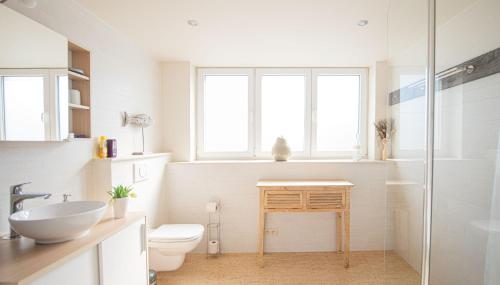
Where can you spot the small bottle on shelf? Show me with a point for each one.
(102, 151)
(111, 148)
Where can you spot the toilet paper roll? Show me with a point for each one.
(213, 246)
(212, 207)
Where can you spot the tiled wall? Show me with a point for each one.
(405, 180)
(465, 187)
(467, 129)
(234, 183)
(467, 137)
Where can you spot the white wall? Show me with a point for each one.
(27, 44)
(123, 78)
(191, 185)
(176, 90)
(151, 194)
(377, 104)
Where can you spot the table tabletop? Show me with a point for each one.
(304, 183)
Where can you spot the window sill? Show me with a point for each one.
(297, 161)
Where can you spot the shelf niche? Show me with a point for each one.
(80, 116)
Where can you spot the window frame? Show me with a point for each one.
(200, 114)
(254, 111)
(259, 73)
(362, 110)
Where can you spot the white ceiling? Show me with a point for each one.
(252, 32)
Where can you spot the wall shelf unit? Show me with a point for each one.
(80, 115)
(76, 106)
(77, 76)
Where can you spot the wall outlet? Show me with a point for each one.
(272, 232)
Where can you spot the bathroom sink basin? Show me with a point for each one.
(58, 222)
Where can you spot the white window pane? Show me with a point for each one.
(337, 113)
(283, 103)
(225, 113)
(24, 106)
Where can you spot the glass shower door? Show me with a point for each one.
(407, 61)
(465, 236)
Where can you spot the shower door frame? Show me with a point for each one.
(429, 145)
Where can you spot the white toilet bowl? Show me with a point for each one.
(168, 245)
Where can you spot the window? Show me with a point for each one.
(282, 109)
(339, 111)
(321, 112)
(224, 112)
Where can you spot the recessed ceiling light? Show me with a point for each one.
(192, 23)
(362, 23)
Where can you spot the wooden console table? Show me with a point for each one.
(307, 196)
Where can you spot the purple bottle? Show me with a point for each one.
(112, 148)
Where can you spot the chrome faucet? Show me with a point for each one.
(16, 201)
(66, 197)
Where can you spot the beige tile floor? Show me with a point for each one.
(367, 268)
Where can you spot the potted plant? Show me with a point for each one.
(119, 196)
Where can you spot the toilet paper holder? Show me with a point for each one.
(213, 229)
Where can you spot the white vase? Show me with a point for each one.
(383, 155)
(281, 150)
(120, 206)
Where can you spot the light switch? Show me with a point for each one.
(140, 172)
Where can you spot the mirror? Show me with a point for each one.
(33, 80)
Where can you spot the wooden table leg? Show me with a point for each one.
(339, 231)
(347, 227)
(262, 224)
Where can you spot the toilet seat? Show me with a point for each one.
(168, 245)
(174, 233)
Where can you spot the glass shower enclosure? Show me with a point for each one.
(443, 188)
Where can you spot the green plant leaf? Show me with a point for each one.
(121, 191)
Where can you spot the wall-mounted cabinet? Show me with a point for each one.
(33, 80)
(79, 75)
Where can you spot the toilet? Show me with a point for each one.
(168, 245)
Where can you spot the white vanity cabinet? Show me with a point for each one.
(118, 259)
(81, 270)
(115, 252)
(123, 257)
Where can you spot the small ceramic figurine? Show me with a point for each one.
(281, 150)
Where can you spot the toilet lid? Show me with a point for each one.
(176, 233)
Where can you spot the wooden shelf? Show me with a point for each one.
(77, 76)
(127, 157)
(80, 115)
(400, 183)
(76, 106)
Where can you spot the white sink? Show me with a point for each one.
(58, 222)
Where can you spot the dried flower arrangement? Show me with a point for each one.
(384, 128)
